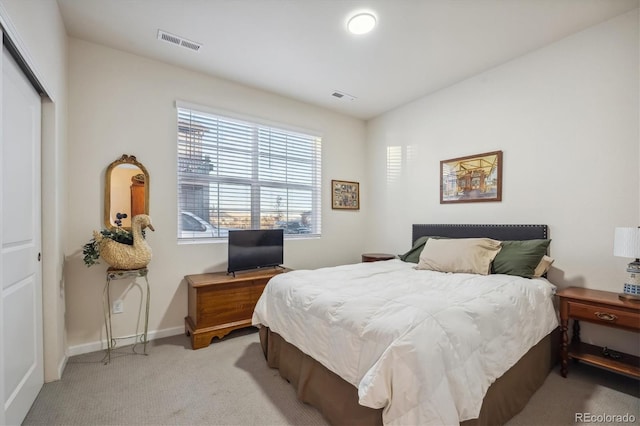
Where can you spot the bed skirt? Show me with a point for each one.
(337, 399)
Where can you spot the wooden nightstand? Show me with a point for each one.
(375, 257)
(603, 308)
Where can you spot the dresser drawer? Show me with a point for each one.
(604, 315)
(226, 303)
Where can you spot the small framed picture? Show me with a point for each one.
(471, 179)
(345, 195)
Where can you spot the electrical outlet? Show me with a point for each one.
(118, 307)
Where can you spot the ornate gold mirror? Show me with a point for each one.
(126, 191)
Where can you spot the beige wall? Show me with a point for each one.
(565, 116)
(125, 104)
(39, 33)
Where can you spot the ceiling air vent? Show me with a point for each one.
(178, 41)
(341, 95)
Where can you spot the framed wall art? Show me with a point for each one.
(470, 179)
(345, 195)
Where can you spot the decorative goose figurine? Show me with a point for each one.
(125, 256)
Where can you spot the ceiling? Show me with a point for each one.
(301, 48)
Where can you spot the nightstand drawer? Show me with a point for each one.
(604, 315)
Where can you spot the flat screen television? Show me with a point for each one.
(255, 248)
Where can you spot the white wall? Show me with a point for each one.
(565, 116)
(40, 35)
(124, 104)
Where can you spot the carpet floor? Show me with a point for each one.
(229, 383)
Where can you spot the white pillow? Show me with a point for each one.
(543, 266)
(467, 255)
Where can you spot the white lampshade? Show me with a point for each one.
(627, 242)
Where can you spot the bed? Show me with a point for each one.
(383, 347)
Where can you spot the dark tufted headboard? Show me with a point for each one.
(497, 232)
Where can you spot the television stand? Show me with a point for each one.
(219, 303)
(233, 273)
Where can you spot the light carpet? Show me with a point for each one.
(229, 383)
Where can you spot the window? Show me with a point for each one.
(236, 174)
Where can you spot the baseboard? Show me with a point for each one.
(62, 365)
(102, 345)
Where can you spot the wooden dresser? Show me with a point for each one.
(602, 308)
(220, 303)
(137, 198)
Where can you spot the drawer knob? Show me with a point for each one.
(606, 317)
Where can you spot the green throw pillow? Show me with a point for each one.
(519, 257)
(413, 255)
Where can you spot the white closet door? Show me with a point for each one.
(21, 360)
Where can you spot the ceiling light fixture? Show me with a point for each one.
(361, 23)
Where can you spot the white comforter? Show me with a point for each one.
(424, 345)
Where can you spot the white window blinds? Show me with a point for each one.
(235, 174)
